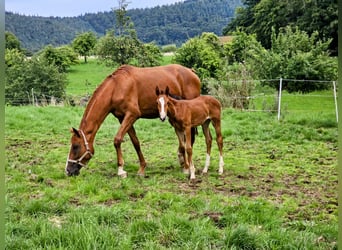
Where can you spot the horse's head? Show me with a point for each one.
(79, 154)
(162, 101)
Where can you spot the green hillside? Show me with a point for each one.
(169, 24)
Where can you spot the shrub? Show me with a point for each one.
(204, 55)
(31, 80)
(296, 55)
(61, 57)
(234, 89)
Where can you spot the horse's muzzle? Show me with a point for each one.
(73, 169)
(73, 173)
(163, 119)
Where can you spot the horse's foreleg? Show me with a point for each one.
(208, 142)
(188, 149)
(132, 134)
(181, 151)
(126, 124)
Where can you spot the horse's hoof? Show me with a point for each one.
(186, 171)
(142, 175)
(123, 175)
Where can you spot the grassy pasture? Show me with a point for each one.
(278, 191)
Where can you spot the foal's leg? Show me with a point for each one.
(208, 142)
(126, 124)
(136, 143)
(188, 148)
(181, 151)
(219, 140)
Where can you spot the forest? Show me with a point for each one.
(168, 24)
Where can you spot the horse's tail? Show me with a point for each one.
(194, 132)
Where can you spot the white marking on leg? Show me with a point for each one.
(207, 164)
(122, 173)
(192, 171)
(221, 165)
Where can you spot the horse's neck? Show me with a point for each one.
(172, 108)
(96, 112)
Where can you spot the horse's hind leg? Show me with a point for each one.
(219, 140)
(208, 142)
(132, 134)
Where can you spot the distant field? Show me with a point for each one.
(83, 78)
(278, 191)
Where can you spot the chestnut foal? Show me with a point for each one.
(185, 114)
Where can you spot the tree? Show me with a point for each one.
(115, 50)
(84, 43)
(122, 20)
(12, 42)
(296, 55)
(260, 16)
(123, 46)
(242, 47)
(61, 57)
(203, 54)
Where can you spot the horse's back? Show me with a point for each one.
(134, 87)
(181, 80)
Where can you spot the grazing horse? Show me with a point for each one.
(185, 114)
(128, 94)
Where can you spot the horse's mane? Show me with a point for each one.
(124, 69)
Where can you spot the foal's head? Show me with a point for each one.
(80, 153)
(162, 101)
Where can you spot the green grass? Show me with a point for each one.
(83, 78)
(278, 191)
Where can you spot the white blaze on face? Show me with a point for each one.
(162, 113)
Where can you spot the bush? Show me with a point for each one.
(28, 80)
(149, 55)
(296, 55)
(234, 89)
(204, 55)
(169, 48)
(61, 57)
(127, 49)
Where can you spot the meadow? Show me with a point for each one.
(278, 191)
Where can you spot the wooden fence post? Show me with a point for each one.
(279, 96)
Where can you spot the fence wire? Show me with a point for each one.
(257, 102)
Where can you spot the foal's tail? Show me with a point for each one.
(194, 132)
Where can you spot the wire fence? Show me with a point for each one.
(257, 100)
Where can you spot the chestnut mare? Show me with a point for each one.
(185, 114)
(128, 94)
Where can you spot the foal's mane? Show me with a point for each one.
(177, 97)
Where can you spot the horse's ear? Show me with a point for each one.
(75, 132)
(167, 90)
(157, 91)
